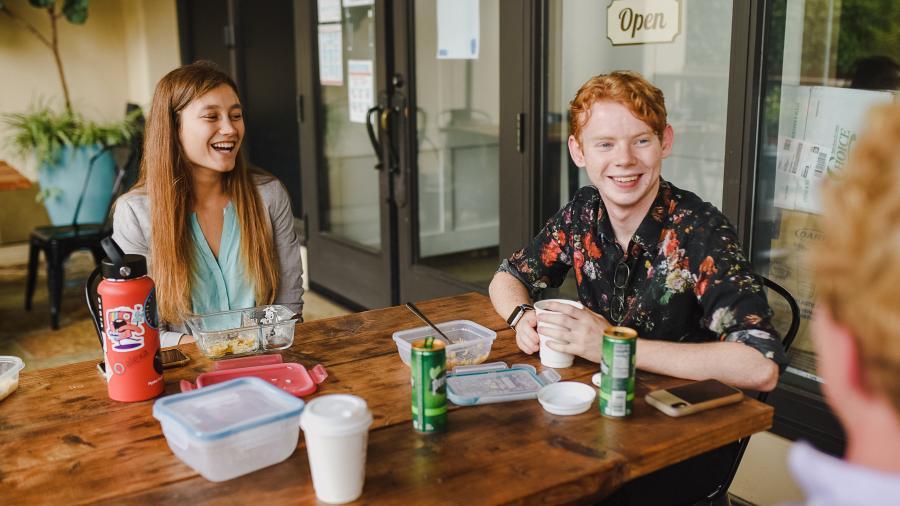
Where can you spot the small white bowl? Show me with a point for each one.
(567, 397)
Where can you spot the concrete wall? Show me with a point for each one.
(114, 58)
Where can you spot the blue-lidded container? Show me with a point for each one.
(231, 429)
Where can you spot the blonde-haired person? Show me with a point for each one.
(856, 323)
(217, 233)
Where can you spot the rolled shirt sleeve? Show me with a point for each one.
(734, 303)
(547, 258)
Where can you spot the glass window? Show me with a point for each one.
(458, 144)
(349, 200)
(692, 71)
(826, 62)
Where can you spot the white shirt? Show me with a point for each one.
(830, 481)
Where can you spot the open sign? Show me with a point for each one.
(642, 22)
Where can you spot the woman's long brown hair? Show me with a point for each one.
(166, 178)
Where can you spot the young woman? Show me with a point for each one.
(217, 234)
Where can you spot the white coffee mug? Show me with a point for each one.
(549, 356)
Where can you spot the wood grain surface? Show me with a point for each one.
(63, 441)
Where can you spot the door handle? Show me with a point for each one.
(373, 137)
(386, 114)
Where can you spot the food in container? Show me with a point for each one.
(230, 429)
(471, 342)
(9, 375)
(243, 331)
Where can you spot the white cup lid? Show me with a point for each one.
(336, 415)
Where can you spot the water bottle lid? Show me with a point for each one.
(131, 267)
(119, 266)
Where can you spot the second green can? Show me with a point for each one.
(617, 372)
(429, 385)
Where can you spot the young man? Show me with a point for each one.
(856, 324)
(646, 254)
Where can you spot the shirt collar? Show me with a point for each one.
(827, 480)
(648, 232)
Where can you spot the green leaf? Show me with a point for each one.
(76, 11)
(41, 4)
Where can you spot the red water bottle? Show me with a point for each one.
(123, 305)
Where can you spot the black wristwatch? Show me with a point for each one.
(517, 314)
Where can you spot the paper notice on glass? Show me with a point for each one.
(357, 3)
(801, 166)
(817, 127)
(360, 88)
(458, 27)
(329, 11)
(331, 64)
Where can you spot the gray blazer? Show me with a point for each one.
(131, 230)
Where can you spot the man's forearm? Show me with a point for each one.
(734, 363)
(506, 293)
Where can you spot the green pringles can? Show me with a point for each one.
(617, 372)
(428, 359)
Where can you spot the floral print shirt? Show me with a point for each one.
(689, 280)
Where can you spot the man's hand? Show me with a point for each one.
(526, 335)
(581, 330)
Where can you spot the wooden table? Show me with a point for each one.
(63, 441)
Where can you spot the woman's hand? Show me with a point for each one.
(580, 331)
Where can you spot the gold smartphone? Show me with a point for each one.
(693, 397)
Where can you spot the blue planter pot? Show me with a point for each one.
(62, 183)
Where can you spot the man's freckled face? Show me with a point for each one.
(622, 155)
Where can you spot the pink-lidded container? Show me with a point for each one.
(293, 378)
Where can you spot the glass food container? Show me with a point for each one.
(244, 331)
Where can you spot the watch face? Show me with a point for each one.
(517, 314)
(514, 316)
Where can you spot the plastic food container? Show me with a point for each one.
(293, 378)
(230, 429)
(471, 342)
(497, 382)
(243, 331)
(9, 375)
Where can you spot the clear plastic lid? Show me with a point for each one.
(228, 408)
(495, 382)
(336, 415)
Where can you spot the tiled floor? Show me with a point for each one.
(28, 334)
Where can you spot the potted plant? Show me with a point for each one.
(64, 145)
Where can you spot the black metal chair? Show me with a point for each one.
(719, 496)
(59, 242)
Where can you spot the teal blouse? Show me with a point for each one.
(220, 284)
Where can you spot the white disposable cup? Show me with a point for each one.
(336, 430)
(549, 356)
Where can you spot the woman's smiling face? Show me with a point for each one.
(211, 129)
